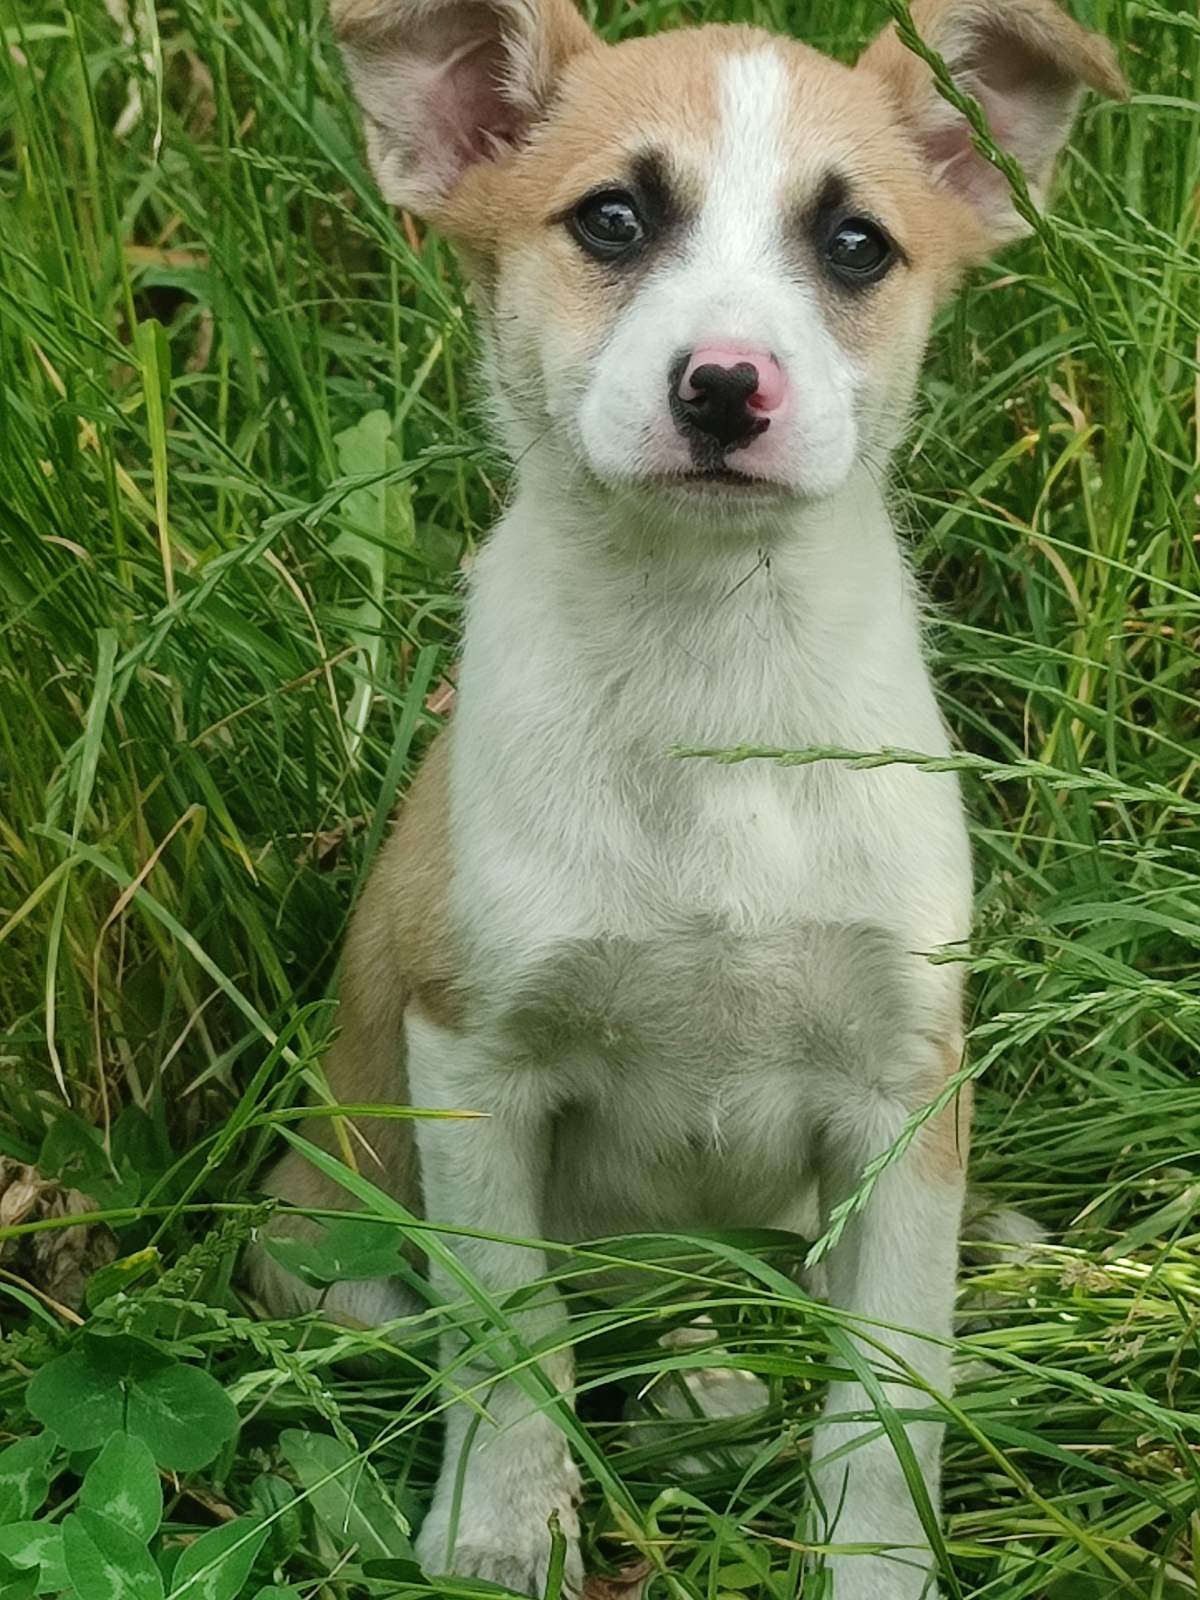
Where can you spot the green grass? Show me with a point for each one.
(240, 461)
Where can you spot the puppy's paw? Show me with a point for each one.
(503, 1543)
(524, 1572)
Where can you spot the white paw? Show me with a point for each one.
(506, 1543)
(524, 1572)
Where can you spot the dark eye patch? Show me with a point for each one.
(626, 222)
(662, 201)
(853, 247)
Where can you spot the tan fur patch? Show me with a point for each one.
(398, 954)
(610, 104)
(564, 35)
(944, 1142)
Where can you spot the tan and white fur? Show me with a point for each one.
(685, 994)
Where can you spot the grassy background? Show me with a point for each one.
(240, 463)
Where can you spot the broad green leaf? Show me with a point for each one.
(137, 1141)
(168, 1559)
(73, 1151)
(275, 1498)
(743, 1577)
(76, 1398)
(183, 1414)
(218, 1564)
(395, 1569)
(374, 511)
(37, 1545)
(123, 1358)
(276, 1591)
(25, 1476)
(115, 1384)
(122, 1483)
(346, 1495)
(344, 1252)
(105, 1561)
(375, 516)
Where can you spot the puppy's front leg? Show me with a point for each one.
(894, 1265)
(503, 1478)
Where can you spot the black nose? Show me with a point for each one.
(718, 407)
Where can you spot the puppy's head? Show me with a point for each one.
(709, 259)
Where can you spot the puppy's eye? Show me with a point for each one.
(607, 224)
(859, 251)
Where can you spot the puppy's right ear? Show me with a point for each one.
(1026, 61)
(446, 84)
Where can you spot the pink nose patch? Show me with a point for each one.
(771, 387)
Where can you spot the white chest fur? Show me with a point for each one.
(710, 931)
(590, 655)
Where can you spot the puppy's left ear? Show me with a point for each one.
(449, 85)
(1026, 62)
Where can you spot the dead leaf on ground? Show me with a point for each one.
(630, 1584)
(58, 1261)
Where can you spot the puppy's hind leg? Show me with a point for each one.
(382, 1154)
(365, 1067)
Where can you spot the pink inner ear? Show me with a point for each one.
(1027, 100)
(467, 111)
(947, 143)
(949, 150)
(952, 138)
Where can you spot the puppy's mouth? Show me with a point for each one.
(718, 490)
(727, 475)
(721, 480)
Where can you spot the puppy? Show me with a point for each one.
(684, 993)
